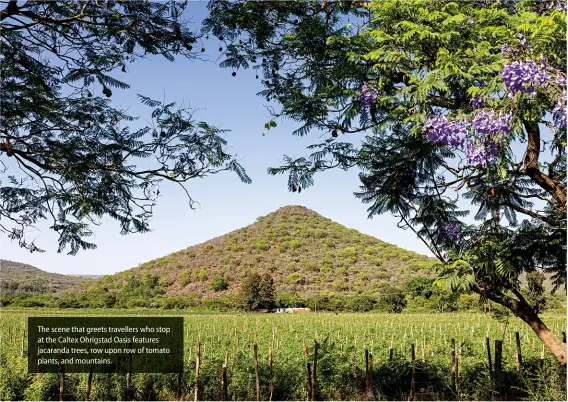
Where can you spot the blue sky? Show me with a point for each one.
(226, 204)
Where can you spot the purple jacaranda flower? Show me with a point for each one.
(525, 76)
(559, 112)
(443, 131)
(505, 49)
(368, 94)
(488, 123)
(477, 102)
(477, 153)
(450, 230)
(560, 79)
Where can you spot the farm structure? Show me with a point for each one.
(293, 310)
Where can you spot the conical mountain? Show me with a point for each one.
(302, 250)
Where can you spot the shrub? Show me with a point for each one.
(219, 284)
(296, 279)
(260, 245)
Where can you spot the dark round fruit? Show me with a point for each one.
(233, 73)
(334, 133)
(257, 77)
(220, 49)
(221, 38)
(163, 134)
(202, 49)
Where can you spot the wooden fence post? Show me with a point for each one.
(367, 371)
(498, 367)
(89, 382)
(24, 336)
(314, 374)
(488, 346)
(519, 354)
(62, 380)
(309, 368)
(224, 383)
(412, 395)
(180, 383)
(197, 363)
(255, 357)
(271, 384)
(129, 375)
(453, 367)
(372, 390)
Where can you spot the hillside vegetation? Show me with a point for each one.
(20, 279)
(304, 252)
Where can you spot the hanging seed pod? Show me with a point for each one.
(233, 74)
(202, 49)
(334, 133)
(220, 49)
(163, 134)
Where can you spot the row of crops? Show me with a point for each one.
(359, 357)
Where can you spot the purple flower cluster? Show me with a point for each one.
(440, 129)
(559, 111)
(477, 102)
(451, 230)
(561, 79)
(368, 94)
(478, 152)
(488, 123)
(559, 5)
(508, 50)
(525, 76)
(484, 145)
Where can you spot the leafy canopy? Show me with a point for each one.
(449, 118)
(67, 154)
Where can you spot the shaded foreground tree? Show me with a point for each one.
(66, 153)
(459, 102)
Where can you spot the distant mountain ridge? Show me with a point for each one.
(24, 279)
(303, 251)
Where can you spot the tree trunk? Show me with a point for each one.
(522, 309)
(551, 186)
(555, 345)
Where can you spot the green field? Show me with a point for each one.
(343, 339)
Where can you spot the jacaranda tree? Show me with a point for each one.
(463, 108)
(68, 155)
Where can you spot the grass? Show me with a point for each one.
(341, 359)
